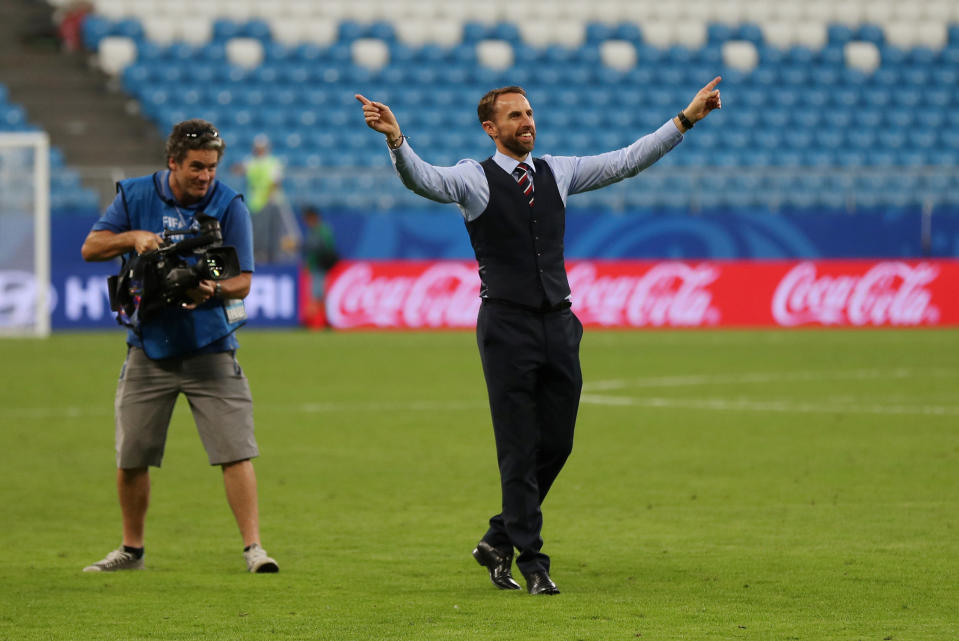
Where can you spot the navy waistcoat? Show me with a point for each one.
(520, 248)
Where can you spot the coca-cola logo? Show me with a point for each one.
(670, 294)
(889, 293)
(444, 295)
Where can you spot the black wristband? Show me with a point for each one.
(684, 121)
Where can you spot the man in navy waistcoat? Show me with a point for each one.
(514, 206)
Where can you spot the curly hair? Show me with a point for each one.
(193, 134)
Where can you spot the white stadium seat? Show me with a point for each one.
(758, 12)
(197, 30)
(691, 34)
(812, 34)
(301, 9)
(779, 34)
(112, 9)
(787, 11)
(862, 55)
(371, 53)
(818, 11)
(446, 32)
(115, 53)
(848, 13)
(740, 54)
(880, 13)
(731, 12)
(542, 33)
(289, 30)
(244, 52)
(610, 11)
(663, 11)
(659, 34)
(932, 33)
(414, 33)
(495, 54)
(159, 28)
(702, 10)
(902, 34)
(618, 54)
(941, 10)
(536, 33)
(321, 31)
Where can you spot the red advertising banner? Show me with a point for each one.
(826, 293)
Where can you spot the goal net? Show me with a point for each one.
(24, 234)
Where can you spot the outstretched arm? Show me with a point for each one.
(592, 172)
(464, 183)
(705, 100)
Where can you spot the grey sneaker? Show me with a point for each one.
(119, 559)
(257, 560)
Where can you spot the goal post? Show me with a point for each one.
(25, 298)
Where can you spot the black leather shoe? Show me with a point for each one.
(499, 565)
(540, 583)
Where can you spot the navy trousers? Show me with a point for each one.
(533, 377)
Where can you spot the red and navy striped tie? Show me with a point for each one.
(523, 178)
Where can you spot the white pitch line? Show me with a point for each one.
(789, 407)
(45, 413)
(762, 377)
(376, 406)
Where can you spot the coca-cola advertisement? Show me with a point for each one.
(681, 294)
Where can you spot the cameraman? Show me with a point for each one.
(188, 348)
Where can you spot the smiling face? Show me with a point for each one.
(512, 127)
(191, 178)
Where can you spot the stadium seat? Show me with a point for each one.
(115, 53)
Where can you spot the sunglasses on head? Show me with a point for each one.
(198, 132)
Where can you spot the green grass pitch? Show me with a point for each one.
(770, 485)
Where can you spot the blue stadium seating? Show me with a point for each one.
(802, 109)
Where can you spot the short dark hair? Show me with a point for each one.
(193, 134)
(487, 103)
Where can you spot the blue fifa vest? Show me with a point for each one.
(175, 332)
(520, 248)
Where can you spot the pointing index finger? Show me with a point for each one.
(363, 99)
(712, 83)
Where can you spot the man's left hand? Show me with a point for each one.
(706, 100)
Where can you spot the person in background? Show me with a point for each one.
(514, 206)
(272, 240)
(319, 255)
(188, 348)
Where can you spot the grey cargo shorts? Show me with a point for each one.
(219, 397)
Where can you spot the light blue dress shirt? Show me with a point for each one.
(465, 182)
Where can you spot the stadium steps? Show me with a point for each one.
(92, 122)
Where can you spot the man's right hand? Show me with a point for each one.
(145, 241)
(104, 245)
(379, 118)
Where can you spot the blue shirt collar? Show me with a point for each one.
(508, 164)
